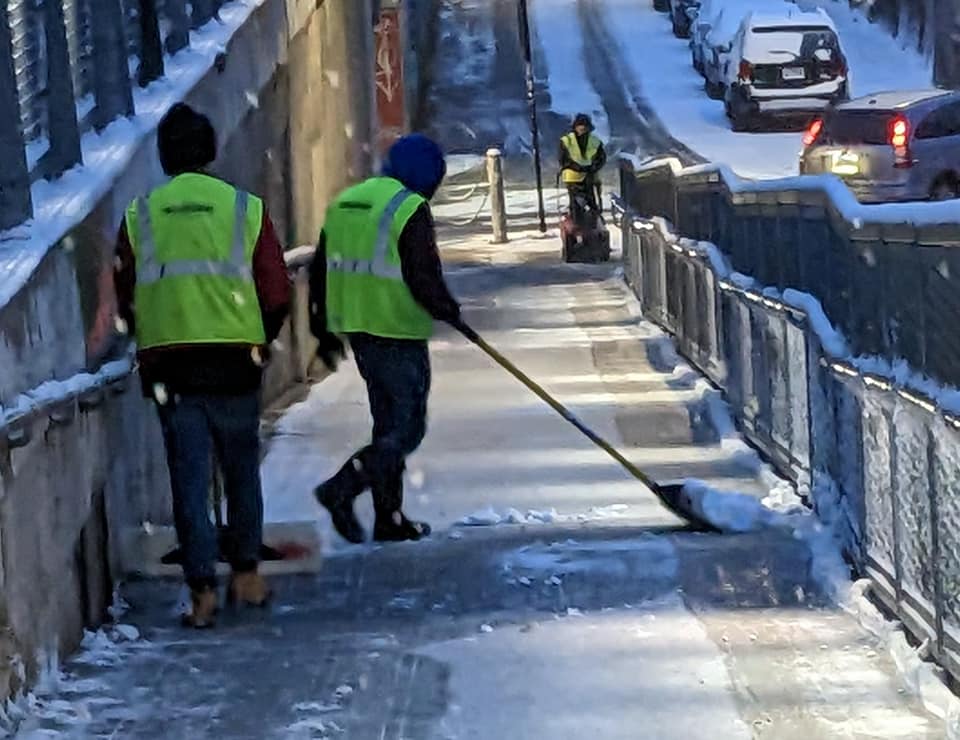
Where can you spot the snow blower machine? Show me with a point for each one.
(582, 228)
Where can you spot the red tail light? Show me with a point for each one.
(899, 140)
(812, 133)
(746, 71)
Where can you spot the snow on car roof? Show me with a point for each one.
(732, 13)
(892, 99)
(792, 18)
(780, 37)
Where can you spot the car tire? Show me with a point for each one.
(741, 122)
(714, 90)
(945, 188)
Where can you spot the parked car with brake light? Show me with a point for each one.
(893, 146)
(784, 66)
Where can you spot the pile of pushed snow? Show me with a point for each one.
(728, 511)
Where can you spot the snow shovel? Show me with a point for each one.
(671, 495)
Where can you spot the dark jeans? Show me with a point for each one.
(397, 375)
(585, 190)
(193, 427)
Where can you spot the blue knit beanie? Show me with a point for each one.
(416, 161)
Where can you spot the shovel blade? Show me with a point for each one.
(673, 497)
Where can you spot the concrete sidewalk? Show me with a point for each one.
(598, 613)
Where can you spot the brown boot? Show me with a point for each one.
(248, 588)
(203, 611)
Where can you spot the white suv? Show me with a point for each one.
(784, 66)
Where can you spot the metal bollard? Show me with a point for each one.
(498, 211)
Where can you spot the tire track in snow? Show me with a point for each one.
(634, 125)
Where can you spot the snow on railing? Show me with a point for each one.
(85, 387)
(843, 200)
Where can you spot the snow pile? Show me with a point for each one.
(728, 511)
(920, 677)
(65, 700)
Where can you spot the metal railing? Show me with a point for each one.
(67, 66)
(879, 460)
(888, 276)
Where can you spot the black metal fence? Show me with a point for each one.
(878, 460)
(892, 288)
(70, 65)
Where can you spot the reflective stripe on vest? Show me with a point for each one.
(149, 271)
(366, 292)
(377, 266)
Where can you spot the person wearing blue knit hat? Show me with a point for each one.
(377, 281)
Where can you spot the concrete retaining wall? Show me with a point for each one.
(292, 101)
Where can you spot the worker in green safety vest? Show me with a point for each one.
(202, 284)
(581, 157)
(377, 280)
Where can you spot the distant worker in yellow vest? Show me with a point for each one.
(377, 280)
(581, 157)
(201, 282)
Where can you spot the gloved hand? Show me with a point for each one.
(330, 350)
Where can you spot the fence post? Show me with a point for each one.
(15, 205)
(62, 125)
(111, 73)
(203, 11)
(178, 37)
(151, 50)
(498, 212)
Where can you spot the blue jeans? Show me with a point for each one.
(397, 376)
(193, 427)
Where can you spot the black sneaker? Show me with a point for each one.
(399, 529)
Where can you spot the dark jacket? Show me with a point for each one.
(215, 368)
(419, 263)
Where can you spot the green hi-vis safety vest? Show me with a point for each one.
(365, 289)
(193, 240)
(582, 158)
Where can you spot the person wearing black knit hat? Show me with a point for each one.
(581, 156)
(202, 284)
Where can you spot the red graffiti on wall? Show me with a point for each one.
(389, 76)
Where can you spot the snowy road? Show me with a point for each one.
(618, 58)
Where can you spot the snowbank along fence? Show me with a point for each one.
(876, 457)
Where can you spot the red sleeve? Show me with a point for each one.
(271, 278)
(125, 277)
